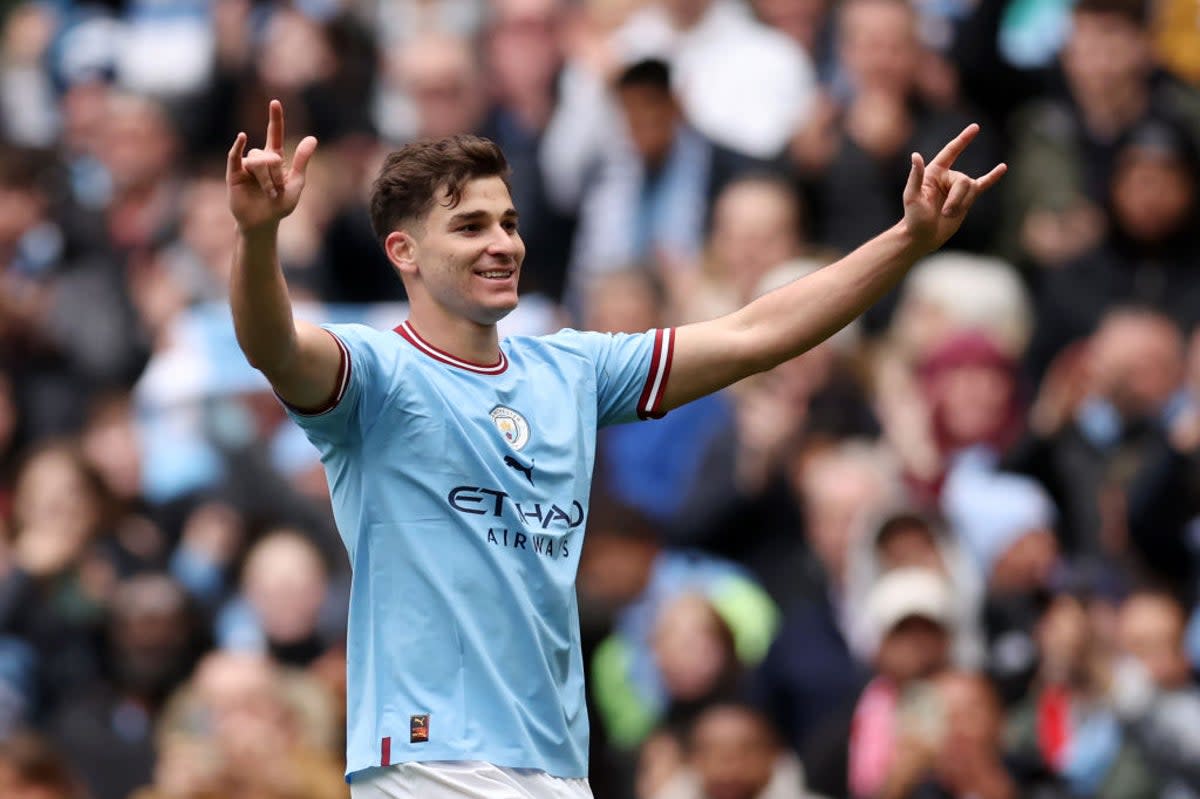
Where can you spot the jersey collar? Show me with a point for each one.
(412, 337)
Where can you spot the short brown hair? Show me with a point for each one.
(412, 176)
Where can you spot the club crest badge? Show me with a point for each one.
(512, 426)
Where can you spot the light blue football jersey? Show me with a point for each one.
(461, 494)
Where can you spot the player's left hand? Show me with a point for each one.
(937, 198)
(263, 187)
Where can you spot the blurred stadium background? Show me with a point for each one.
(953, 552)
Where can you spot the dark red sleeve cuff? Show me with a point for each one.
(650, 403)
(339, 389)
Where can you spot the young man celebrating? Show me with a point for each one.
(460, 464)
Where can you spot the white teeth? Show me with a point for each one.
(495, 274)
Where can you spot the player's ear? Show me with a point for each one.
(401, 250)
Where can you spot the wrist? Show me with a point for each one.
(260, 234)
(912, 244)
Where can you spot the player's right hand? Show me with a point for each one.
(263, 187)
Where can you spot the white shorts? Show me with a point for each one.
(464, 779)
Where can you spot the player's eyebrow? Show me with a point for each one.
(510, 215)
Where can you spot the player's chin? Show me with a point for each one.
(496, 307)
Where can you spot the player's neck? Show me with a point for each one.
(462, 338)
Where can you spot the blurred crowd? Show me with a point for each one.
(952, 552)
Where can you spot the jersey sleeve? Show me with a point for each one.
(631, 374)
(341, 418)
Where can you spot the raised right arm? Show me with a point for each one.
(303, 362)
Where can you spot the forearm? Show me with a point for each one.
(262, 309)
(785, 323)
(788, 321)
(791, 320)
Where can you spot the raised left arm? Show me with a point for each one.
(778, 326)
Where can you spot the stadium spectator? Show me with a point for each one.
(440, 75)
(245, 727)
(524, 54)
(1152, 687)
(742, 84)
(135, 443)
(651, 665)
(854, 150)
(815, 668)
(956, 750)
(651, 196)
(859, 751)
(1065, 735)
(809, 24)
(967, 394)
(902, 538)
(757, 226)
(108, 725)
(1063, 150)
(61, 570)
(1162, 495)
(657, 470)
(955, 292)
(1149, 252)
(1008, 524)
(285, 585)
(733, 753)
(747, 503)
(1101, 412)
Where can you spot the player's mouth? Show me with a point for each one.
(496, 274)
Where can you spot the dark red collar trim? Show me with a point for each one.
(406, 330)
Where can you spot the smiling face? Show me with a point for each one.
(463, 260)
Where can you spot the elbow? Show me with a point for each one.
(267, 352)
(265, 366)
(256, 360)
(255, 354)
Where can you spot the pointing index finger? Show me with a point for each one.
(275, 127)
(950, 153)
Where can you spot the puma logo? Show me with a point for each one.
(509, 460)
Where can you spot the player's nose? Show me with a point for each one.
(503, 242)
